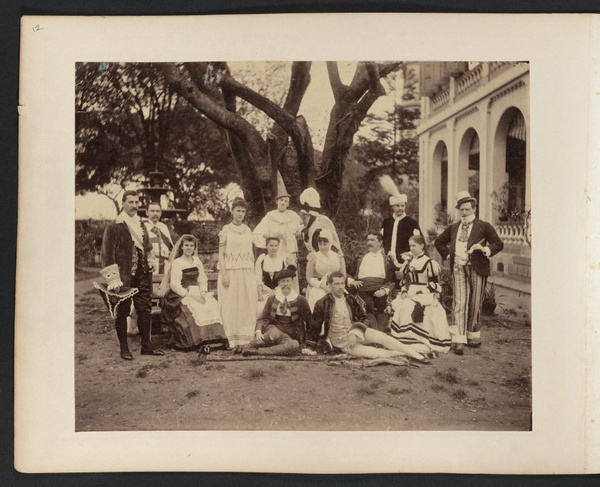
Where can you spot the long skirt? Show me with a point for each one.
(238, 304)
(193, 324)
(420, 321)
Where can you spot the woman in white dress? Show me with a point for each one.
(419, 319)
(236, 284)
(318, 267)
(192, 314)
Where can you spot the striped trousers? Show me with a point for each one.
(468, 297)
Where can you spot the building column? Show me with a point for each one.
(452, 172)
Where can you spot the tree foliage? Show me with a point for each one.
(129, 122)
(205, 128)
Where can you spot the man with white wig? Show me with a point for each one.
(398, 228)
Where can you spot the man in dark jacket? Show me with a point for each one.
(469, 244)
(126, 244)
(343, 321)
(281, 327)
(398, 228)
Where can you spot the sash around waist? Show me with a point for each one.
(372, 283)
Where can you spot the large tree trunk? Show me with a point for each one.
(352, 102)
(247, 147)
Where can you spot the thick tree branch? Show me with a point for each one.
(374, 83)
(272, 110)
(208, 107)
(339, 89)
(298, 85)
(363, 79)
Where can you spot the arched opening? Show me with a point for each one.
(469, 164)
(440, 181)
(444, 180)
(510, 167)
(474, 167)
(515, 164)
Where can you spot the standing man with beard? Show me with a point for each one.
(374, 280)
(127, 245)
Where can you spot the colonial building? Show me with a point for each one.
(474, 135)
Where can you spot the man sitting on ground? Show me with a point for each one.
(344, 326)
(282, 325)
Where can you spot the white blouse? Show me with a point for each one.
(177, 268)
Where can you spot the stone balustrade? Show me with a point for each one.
(512, 233)
(469, 82)
(440, 100)
(498, 67)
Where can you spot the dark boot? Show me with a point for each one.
(121, 328)
(144, 325)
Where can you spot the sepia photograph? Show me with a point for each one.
(307, 246)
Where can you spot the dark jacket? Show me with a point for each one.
(482, 232)
(301, 318)
(322, 315)
(406, 229)
(117, 248)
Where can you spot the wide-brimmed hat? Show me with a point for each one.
(464, 197)
(113, 299)
(290, 271)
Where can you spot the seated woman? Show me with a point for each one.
(190, 312)
(419, 319)
(265, 268)
(319, 266)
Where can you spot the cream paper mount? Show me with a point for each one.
(562, 54)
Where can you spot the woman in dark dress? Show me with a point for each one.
(190, 311)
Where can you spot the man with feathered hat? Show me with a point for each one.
(399, 227)
(314, 221)
(126, 244)
(281, 327)
(469, 243)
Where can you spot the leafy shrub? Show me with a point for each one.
(88, 241)
(207, 233)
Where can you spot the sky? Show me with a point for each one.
(316, 106)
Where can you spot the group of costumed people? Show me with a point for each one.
(391, 301)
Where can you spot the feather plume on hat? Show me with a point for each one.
(389, 186)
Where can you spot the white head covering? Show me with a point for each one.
(310, 201)
(325, 233)
(389, 186)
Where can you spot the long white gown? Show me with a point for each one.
(238, 301)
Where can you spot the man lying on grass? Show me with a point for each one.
(344, 326)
